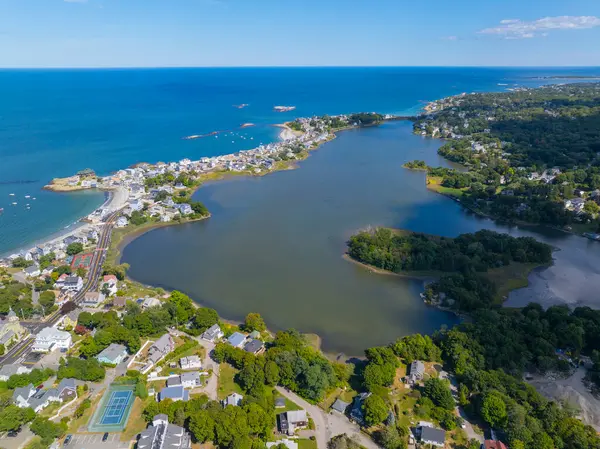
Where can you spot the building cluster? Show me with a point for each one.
(39, 398)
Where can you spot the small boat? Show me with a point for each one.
(14, 204)
(33, 198)
(11, 194)
(27, 196)
(1, 210)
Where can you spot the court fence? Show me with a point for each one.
(112, 413)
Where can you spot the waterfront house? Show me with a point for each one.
(234, 399)
(122, 222)
(417, 371)
(176, 393)
(254, 347)
(191, 362)
(575, 204)
(161, 348)
(162, 434)
(110, 282)
(237, 340)
(113, 354)
(185, 209)
(10, 370)
(50, 338)
(289, 422)
(356, 412)
(150, 302)
(93, 299)
(213, 333)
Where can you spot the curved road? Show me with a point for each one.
(22, 349)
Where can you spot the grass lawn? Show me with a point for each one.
(435, 183)
(405, 404)
(76, 424)
(136, 423)
(509, 278)
(226, 384)
(306, 444)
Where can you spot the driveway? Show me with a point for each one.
(210, 388)
(469, 430)
(19, 441)
(329, 425)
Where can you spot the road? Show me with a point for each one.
(329, 425)
(22, 349)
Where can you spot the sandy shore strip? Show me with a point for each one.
(287, 133)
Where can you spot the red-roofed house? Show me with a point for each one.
(493, 444)
(110, 281)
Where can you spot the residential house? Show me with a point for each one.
(185, 209)
(21, 395)
(187, 380)
(575, 204)
(110, 282)
(150, 302)
(255, 335)
(93, 299)
(428, 434)
(72, 283)
(50, 338)
(340, 406)
(234, 399)
(417, 371)
(113, 354)
(356, 413)
(41, 399)
(213, 333)
(290, 444)
(254, 347)
(69, 321)
(121, 222)
(493, 444)
(120, 301)
(67, 390)
(237, 340)
(191, 362)
(11, 330)
(32, 271)
(175, 393)
(161, 348)
(162, 434)
(10, 370)
(289, 422)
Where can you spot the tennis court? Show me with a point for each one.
(113, 412)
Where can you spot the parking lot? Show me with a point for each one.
(94, 441)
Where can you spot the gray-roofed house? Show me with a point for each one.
(289, 422)
(32, 271)
(254, 347)
(340, 406)
(176, 393)
(237, 340)
(233, 399)
(67, 389)
(161, 348)
(163, 435)
(190, 380)
(113, 354)
(42, 399)
(174, 381)
(356, 413)
(433, 436)
(191, 362)
(213, 333)
(21, 395)
(10, 370)
(417, 371)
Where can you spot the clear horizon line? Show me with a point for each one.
(298, 67)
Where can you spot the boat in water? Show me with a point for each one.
(11, 194)
(27, 196)
(284, 108)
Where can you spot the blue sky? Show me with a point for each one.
(160, 33)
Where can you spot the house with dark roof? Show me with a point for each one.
(340, 406)
(417, 371)
(254, 347)
(213, 333)
(289, 422)
(161, 348)
(356, 412)
(163, 435)
(430, 435)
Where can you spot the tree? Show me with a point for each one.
(140, 390)
(439, 392)
(493, 409)
(205, 318)
(81, 272)
(13, 417)
(46, 300)
(591, 207)
(389, 438)
(46, 429)
(74, 248)
(21, 262)
(375, 410)
(2, 349)
(254, 322)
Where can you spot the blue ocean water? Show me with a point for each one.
(56, 122)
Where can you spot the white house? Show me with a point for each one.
(50, 339)
(213, 333)
(185, 209)
(72, 283)
(9, 370)
(110, 281)
(32, 271)
(122, 222)
(93, 299)
(191, 362)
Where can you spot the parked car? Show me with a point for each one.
(13, 433)
(105, 436)
(67, 440)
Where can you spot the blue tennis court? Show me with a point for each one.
(116, 407)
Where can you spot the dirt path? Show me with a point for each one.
(329, 425)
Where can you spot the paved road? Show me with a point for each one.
(23, 348)
(329, 425)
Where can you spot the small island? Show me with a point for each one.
(473, 271)
(416, 165)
